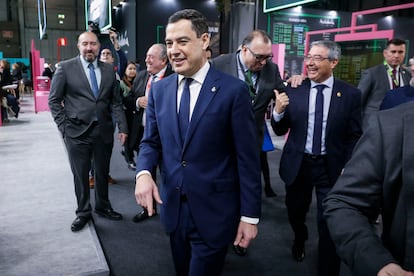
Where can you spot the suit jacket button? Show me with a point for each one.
(183, 163)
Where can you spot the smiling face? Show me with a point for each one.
(154, 61)
(88, 46)
(185, 50)
(320, 70)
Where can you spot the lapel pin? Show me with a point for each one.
(213, 89)
(338, 94)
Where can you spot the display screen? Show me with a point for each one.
(98, 12)
(357, 56)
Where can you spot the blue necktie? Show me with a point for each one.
(94, 82)
(184, 110)
(317, 127)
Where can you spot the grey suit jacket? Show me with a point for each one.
(378, 178)
(74, 107)
(374, 83)
(269, 79)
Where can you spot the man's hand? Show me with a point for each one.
(122, 137)
(296, 80)
(394, 270)
(142, 102)
(282, 100)
(245, 234)
(145, 190)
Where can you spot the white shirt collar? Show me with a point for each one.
(86, 63)
(329, 82)
(199, 76)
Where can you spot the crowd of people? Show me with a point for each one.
(200, 122)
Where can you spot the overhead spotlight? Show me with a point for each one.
(297, 9)
(333, 13)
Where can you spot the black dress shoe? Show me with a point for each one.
(241, 251)
(109, 214)
(269, 192)
(79, 223)
(298, 251)
(143, 215)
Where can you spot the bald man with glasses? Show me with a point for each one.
(252, 63)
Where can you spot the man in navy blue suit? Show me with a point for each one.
(324, 119)
(202, 122)
(400, 95)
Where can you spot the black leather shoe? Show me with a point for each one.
(298, 251)
(241, 251)
(269, 192)
(143, 215)
(79, 223)
(109, 214)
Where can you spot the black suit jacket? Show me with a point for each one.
(378, 178)
(138, 90)
(374, 84)
(74, 107)
(343, 129)
(269, 79)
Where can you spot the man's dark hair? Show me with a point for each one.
(256, 33)
(395, 41)
(198, 21)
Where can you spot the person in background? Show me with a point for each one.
(323, 117)
(9, 102)
(157, 68)
(209, 53)
(16, 75)
(47, 72)
(252, 63)
(126, 85)
(400, 95)
(377, 80)
(379, 179)
(202, 122)
(84, 95)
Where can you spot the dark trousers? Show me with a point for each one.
(191, 255)
(80, 151)
(312, 174)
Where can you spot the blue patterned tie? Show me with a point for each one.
(94, 82)
(184, 110)
(317, 127)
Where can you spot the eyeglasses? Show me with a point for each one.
(315, 58)
(258, 57)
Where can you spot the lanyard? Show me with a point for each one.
(248, 79)
(394, 79)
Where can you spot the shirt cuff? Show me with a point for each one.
(249, 220)
(277, 116)
(142, 173)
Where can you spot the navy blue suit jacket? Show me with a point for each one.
(217, 166)
(398, 96)
(343, 129)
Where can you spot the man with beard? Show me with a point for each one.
(83, 96)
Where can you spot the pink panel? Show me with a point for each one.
(278, 51)
(365, 35)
